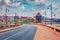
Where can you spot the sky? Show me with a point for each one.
(30, 7)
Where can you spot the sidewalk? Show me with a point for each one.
(7, 29)
(53, 27)
(45, 33)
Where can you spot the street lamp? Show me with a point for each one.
(50, 7)
(6, 15)
(51, 14)
(45, 17)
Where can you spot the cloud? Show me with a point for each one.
(4, 3)
(22, 7)
(39, 1)
(54, 5)
(36, 1)
(57, 11)
(0, 0)
(14, 4)
(7, 1)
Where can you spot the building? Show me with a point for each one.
(38, 18)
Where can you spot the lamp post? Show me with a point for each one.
(45, 17)
(51, 14)
(50, 7)
(6, 15)
(6, 11)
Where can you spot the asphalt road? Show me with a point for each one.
(23, 33)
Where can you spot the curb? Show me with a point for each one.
(7, 29)
(53, 28)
